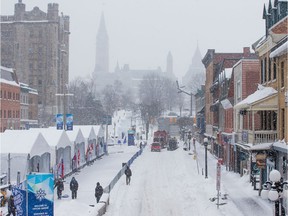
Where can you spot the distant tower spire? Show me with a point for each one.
(117, 68)
(102, 48)
(197, 59)
(169, 67)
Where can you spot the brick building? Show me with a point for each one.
(216, 91)
(9, 100)
(36, 45)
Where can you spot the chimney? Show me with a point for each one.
(246, 52)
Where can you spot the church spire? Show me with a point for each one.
(169, 67)
(102, 27)
(102, 48)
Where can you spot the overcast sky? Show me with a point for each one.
(142, 32)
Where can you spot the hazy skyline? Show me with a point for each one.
(142, 32)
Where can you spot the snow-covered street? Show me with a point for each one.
(168, 183)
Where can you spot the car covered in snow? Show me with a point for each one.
(156, 146)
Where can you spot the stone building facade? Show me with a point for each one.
(36, 45)
(28, 107)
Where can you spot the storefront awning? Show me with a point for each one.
(262, 146)
(244, 146)
(265, 98)
(281, 146)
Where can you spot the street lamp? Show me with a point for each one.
(190, 94)
(273, 190)
(206, 144)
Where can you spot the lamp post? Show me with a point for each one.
(206, 144)
(190, 94)
(273, 190)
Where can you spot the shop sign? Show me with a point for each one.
(261, 160)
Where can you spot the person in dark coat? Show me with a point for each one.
(128, 174)
(98, 191)
(60, 187)
(11, 206)
(74, 187)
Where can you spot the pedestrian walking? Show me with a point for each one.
(11, 206)
(128, 174)
(60, 187)
(98, 191)
(74, 187)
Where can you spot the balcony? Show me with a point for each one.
(257, 137)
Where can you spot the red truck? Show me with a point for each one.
(161, 137)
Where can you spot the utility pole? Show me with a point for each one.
(187, 93)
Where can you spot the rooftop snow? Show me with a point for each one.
(283, 49)
(260, 94)
(19, 141)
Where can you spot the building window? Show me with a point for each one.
(282, 74)
(238, 89)
(283, 124)
(4, 113)
(274, 69)
(269, 69)
(5, 94)
(265, 70)
(0, 93)
(13, 95)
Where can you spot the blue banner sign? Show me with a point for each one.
(19, 200)
(59, 121)
(40, 194)
(69, 122)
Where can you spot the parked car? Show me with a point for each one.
(156, 146)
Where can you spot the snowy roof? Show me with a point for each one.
(283, 49)
(99, 129)
(76, 136)
(226, 104)
(262, 146)
(18, 141)
(87, 130)
(258, 95)
(55, 138)
(281, 145)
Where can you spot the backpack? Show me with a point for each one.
(128, 172)
(98, 191)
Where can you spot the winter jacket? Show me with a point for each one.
(11, 205)
(98, 191)
(60, 186)
(128, 172)
(73, 185)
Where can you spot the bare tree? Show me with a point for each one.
(83, 105)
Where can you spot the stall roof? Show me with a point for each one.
(21, 142)
(54, 137)
(99, 129)
(76, 136)
(87, 130)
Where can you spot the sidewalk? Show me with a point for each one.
(102, 171)
(239, 189)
